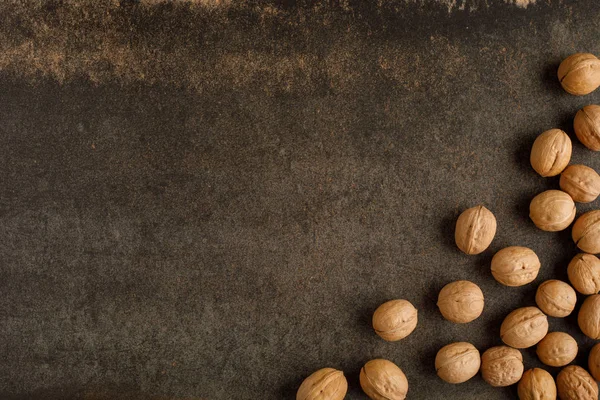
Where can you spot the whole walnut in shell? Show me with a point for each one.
(395, 320)
(574, 383)
(475, 230)
(551, 152)
(382, 379)
(579, 74)
(589, 317)
(460, 301)
(594, 362)
(537, 384)
(524, 327)
(581, 183)
(324, 384)
(515, 266)
(501, 366)
(556, 298)
(584, 273)
(552, 210)
(586, 232)
(557, 349)
(587, 126)
(457, 362)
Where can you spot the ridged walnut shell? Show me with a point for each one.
(589, 317)
(556, 298)
(557, 349)
(551, 152)
(586, 232)
(552, 210)
(579, 74)
(574, 383)
(457, 362)
(383, 380)
(594, 362)
(501, 366)
(324, 384)
(515, 266)
(475, 230)
(524, 327)
(587, 126)
(536, 384)
(581, 183)
(461, 301)
(395, 320)
(584, 273)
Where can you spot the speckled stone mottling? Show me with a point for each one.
(208, 200)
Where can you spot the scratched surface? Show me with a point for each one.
(208, 200)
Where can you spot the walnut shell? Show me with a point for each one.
(460, 301)
(594, 362)
(537, 384)
(587, 126)
(457, 362)
(552, 210)
(551, 152)
(579, 74)
(524, 327)
(574, 383)
(556, 298)
(475, 230)
(515, 266)
(584, 273)
(586, 232)
(324, 384)
(382, 379)
(557, 349)
(501, 366)
(395, 320)
(589, 317)
(581, 183)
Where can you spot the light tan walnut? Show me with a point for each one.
(594, 362)
(382, 379)
(557, 349)
(524, 327)
(586, 232)
(574, 383)
(584, 273)
(395, 320)
(475, 230)
(556, 298)
(457, 362)
(501, 366)
(581, 183)
(552, 210)
(460, 301)
(551, 152)
(579, 74)
(587, 126)
(536, 384)
(589, 317)
(515, 266)
(324, 384)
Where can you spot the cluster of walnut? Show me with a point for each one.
(552, 210)
(463, 301)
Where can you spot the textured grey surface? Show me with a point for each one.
(221, 221)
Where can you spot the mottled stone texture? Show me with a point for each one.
(209, 200)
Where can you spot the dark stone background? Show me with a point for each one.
(208, 201)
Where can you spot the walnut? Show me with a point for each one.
(324, 384)
(524, 327)
(574, 383)
(501, 366)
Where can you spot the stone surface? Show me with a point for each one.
(208, 201)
